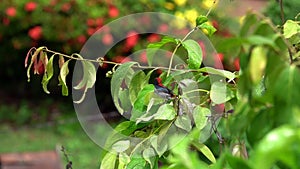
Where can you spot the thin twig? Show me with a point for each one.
(282, 23)
(208, 12)
(69, 164)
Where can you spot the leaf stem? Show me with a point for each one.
(176, 48)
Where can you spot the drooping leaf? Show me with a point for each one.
(194, 53)
(88, 80)
(204, 150)
(119, 75)
(33, 59)
(48, 74)
(64, 71)
(153, 47)
(200, 115)
(109, 161)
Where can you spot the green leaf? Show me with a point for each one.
(205, 151)
(137, 82)
(160, 145)
(165, 112)
(291, 28)
(109, 161)
(183, 122)
(258, 62)
(218, 93)
(260, 40)
(48, 74)
(137, 163)
(249, 21)
(119, 75)
(194, 53)
(281, 144)
(153, 47)
(142, 101)
(64, 71)
(149, 155)
(88, 79)
(124, 159)
(200, 20)
(200, 116)
(210, 29)
(121, 145)
(220, 72)
(236, 162)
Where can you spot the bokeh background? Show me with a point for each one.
(31, 120)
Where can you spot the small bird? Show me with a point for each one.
(162, 90)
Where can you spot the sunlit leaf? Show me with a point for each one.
(291, 28)
(258, 62)
(109, 161)
(194, 53)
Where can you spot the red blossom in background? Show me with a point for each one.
(163, 28)
(5, 21)
(66, 7)
(153, 38)
(30, 6)
(11, 11)
(218, 60)
(35, 33)
(121, 59)
(113, 11)
(143, 57)
(107, 39)
(132, 39)
(81, 39)
(236, 63)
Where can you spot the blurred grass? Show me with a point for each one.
(83, 152)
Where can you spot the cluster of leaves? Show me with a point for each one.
(263, 131)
